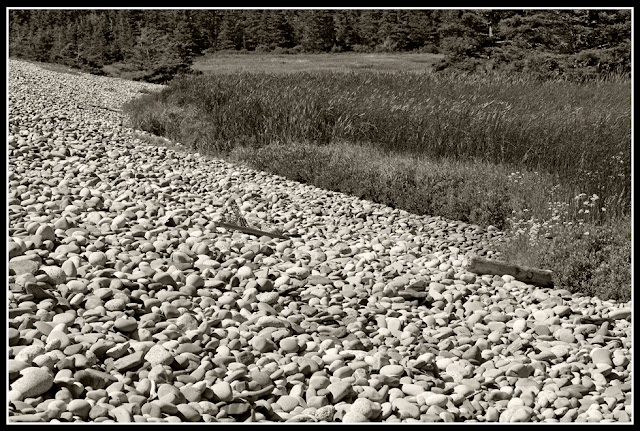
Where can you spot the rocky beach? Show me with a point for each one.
(128, 302)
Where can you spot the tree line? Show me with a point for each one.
(154, 45)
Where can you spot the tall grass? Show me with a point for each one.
(494, 149)
(580, 133)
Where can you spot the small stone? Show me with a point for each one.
(620, 314)
(121, 414)
(222, 391)
(288, 403)
(188, 413)
(601, 356)
(318, 381)
(165, 279)
(432, 399)
(270, 321)
(194, 280)
(157, 354)
(244, 273)
(268, 297)
(237, 408)
(325, 413)
(95, 378)
(405, 408)
(19, 267)
(519, 370)
(392, 370)
(289, 345)
(519, 325)
(97, 258)
(77, 286)
(340, 391)
(125, 325)
(79, 407)
(186, 322)
(564, 335)
(56, 274)
(262, 344)
(363, 406)
(522, 414)
(354, 417)
(116, 304)
(457, 371)
(130, 361)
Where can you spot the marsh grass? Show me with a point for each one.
(225, 62)
(492, 150)
(579, 133)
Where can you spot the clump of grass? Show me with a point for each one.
(470, 192)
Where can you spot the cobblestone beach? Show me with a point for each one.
(128, 302)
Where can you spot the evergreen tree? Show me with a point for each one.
(367, 27)
(279, 30)
(319, 34)
(344, 22)
(231, 33)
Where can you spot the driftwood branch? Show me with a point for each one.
(539, 277)
(251, 230)
(104, 107)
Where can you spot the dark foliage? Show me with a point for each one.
(154, 45)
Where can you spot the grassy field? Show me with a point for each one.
(234, 62)
(550, 163)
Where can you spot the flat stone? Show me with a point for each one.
(620, 314)
(19, 267)
(130, 361)
(34, 381)
(95, 378)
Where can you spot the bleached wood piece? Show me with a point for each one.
(103, 107)
(251, 230)
(539, 277)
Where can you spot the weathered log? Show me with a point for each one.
(103, 107)
(251, 230)
(539, 277)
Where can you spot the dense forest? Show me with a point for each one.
(154, 45)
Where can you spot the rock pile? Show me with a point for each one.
(127, 303)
